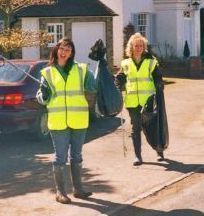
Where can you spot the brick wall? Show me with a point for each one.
(183, 68)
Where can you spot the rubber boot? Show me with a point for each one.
(79, 192)
(136, 137)
(59, 172)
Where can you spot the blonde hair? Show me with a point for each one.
(132, 41)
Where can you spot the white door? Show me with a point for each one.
(84, 35)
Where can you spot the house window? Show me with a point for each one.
(145, 23)
(1, 26)
(142, 23)
(56, 30)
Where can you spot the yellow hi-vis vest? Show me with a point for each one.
(67, 106)
(140, 84)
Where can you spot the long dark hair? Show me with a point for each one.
(53, 55)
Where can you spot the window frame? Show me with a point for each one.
(150, 25)
(55, 34)
(144, 27)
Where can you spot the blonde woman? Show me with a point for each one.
(140, 78)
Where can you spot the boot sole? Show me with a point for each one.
(82, 196)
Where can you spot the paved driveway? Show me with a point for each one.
(26, 181)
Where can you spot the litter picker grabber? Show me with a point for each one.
(123, 134)
(3, 59)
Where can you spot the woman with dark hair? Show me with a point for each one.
(66, 83)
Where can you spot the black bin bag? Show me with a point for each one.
(154, 122)
(109, 100)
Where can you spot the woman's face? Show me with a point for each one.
(63, 54)
(138, 48)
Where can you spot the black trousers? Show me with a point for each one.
(135, 117)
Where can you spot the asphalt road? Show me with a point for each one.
(26, 180)
(183, 198)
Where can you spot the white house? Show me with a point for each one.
(166, 23)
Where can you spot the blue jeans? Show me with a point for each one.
(68, 140)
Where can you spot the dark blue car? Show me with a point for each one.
(19, 109)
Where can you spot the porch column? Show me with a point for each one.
(196, 33)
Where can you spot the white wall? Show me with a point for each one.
(171, 26)
(124, 8)
(132, 6)
(30, 24)
(116, 6)
(166, 25)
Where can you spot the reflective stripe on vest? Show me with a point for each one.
(61, 109)
(68, 106)
(140, 84)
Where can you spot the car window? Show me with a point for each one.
(9, 73)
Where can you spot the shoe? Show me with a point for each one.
(79, 192)
(160, 156)
(137, 161)
(63, 199)
(82, 194)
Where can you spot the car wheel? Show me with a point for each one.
(42, 129)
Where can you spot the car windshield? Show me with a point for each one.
(10, 73)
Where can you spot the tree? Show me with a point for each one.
(127, 32)
(186, 51)
(10, 7)
(12, 38)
